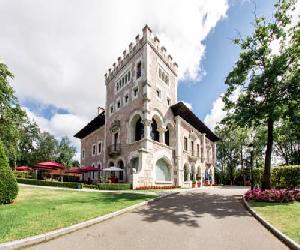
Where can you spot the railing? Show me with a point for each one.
(114, 149)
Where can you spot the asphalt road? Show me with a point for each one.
(210, 218)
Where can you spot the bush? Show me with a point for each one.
(286, 176)
(257, 174)
(109, 186)
(273, 195)
(8, 185)
(75, 185)
(26, 175)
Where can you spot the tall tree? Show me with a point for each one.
(263, 77)
(11, 115)
(46, 148)
(66, 152)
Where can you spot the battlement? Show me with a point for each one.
(153, 41)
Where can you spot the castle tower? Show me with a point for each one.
(140, 88)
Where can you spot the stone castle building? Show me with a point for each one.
(143, 130)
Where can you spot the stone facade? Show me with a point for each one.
(141, 134)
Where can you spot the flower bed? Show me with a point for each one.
(273, 195)
(109, 186)
(155, 187)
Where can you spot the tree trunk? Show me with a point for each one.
(266, 181)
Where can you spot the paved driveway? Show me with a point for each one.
(210, 218)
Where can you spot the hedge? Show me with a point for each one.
(75, 185)
(156, 187)
(286, 176)
(8, 185)
(109, 186)
(23, 175)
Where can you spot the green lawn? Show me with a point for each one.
(284, 216)
(39, 210)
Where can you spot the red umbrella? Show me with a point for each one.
(49, 165)
(23, 168)
(73, 171)
(88, 169)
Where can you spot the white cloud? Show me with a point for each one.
(60, 51)
(60, 125)
(216, 114)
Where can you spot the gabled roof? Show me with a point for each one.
(94, 124)
(179, 109)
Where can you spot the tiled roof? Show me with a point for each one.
(94, 124)
(185, 113)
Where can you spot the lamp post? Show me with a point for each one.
(251, 147)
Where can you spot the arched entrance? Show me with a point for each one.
(162, 171)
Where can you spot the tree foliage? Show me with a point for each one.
(267, 82)
(8, 183)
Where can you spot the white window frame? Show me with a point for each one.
(99, 142)
(94, 145)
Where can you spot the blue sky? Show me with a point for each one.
(220, 55)
(59, 57)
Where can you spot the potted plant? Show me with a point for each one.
(194, 184)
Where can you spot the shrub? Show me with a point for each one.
(273, 195)
(286, 176)
(257, 174)
(8, 185)
(27, 175)
(109, 186)
(75, 185)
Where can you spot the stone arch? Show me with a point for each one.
(169, 135)
(163, 170)
(135, 127)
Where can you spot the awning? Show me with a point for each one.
(112, 169)
(49, 165)
(73, 171)
(23, 168)
(86, 169)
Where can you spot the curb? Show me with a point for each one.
(282, 237)
(33, 240)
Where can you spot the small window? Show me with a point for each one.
(111, 109)
(192, 147)
(168, 101)
(135, 92)
(126, 98)
(198, 150)
(185, 143)
(83, 154)
(99, 147)
(128, 76)
(158, 93)
(119, 104)
(94, 149)
(139, 70)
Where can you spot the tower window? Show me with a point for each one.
(126, 98)
(168, 101)
(119, 104)
(139, 70)
(185, 143)
(158, 93)
(135, 92)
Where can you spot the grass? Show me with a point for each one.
(37, 210)
(284, 216)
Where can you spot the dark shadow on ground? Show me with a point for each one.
(188, 208)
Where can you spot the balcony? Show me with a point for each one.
(114, 150)
(193, 156)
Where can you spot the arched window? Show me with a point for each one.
(162, 171)
(167, 136)
(139, 130)
(154, 132)
(121, 173)
(186, 173)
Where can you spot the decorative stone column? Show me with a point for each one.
(162, 131)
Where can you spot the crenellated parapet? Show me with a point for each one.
(135, 47)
